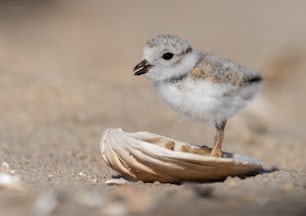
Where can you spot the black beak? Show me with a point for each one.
(142, 68)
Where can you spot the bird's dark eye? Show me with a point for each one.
(167, 56)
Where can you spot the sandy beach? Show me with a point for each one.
(66, 75)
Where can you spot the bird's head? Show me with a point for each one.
(166, 57)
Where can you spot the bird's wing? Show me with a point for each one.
(219, 70)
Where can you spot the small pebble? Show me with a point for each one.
(46, 203)
(10, 182)
(119, 181)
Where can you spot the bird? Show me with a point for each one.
(198, 84)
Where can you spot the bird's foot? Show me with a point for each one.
(216, 153)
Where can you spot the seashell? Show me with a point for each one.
(151, 157)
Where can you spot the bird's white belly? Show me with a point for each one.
(204, 100)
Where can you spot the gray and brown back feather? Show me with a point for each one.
(219, 70)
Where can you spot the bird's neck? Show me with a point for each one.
(186, 65)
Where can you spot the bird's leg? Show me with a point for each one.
(216, 151)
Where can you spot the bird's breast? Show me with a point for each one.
(198, 99)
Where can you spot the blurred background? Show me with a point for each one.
(66, 75)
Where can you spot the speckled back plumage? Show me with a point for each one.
(219, 70)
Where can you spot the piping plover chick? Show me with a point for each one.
(197, 84)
